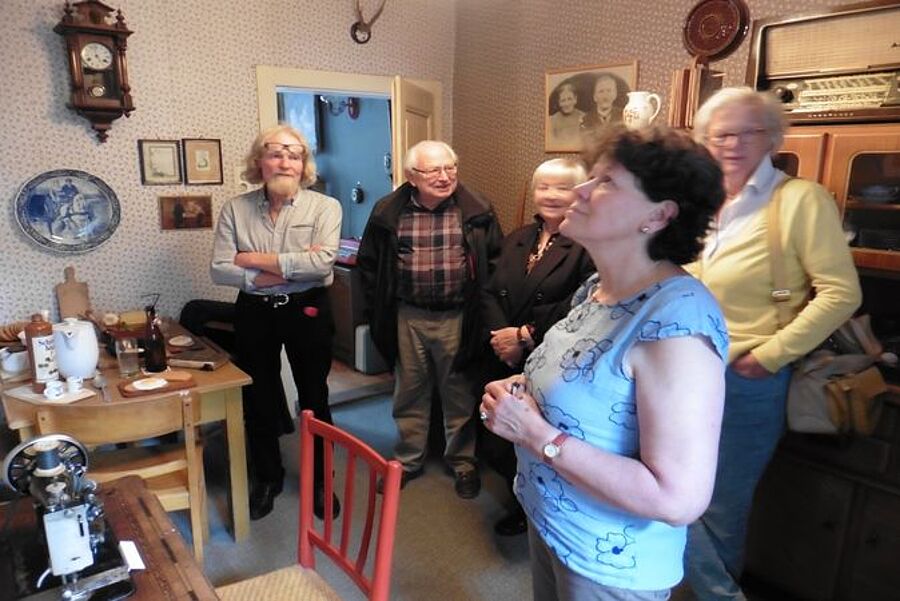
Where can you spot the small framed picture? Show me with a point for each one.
(160, 162)
(202, 161)
(583, 100)
(185, 212)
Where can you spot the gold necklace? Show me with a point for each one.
(535, 257)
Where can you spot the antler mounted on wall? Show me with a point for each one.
(361, 31)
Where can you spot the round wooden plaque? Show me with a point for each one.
(715, 28)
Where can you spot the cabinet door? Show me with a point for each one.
(797, 529)
(872, 567)
(862, 170)
(803, 154)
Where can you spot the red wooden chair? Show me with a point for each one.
(347, 546)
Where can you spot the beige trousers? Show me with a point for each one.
(427, 342)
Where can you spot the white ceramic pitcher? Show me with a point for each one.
(76, 348)
(639, 111)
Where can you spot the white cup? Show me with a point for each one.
(54, 389)
(73, 383)
(13, 361)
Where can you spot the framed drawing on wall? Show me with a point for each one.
(185, 212)
(160, 162)
(202, 161)
(583, 100)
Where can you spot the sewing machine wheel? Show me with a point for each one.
(20, 463)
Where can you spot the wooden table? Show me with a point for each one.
(133, 514)
(220, 399)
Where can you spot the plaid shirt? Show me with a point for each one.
(431, 257)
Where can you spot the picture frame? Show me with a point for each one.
(185, 212)
(570, 108)
(160, 162)
(202, 161)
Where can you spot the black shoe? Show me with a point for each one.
(319, 503)
(513, 523)
(404, 478)
(467, 484)
(262, 498)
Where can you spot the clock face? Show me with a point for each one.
(96, 56)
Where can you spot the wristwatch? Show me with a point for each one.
(553, 448)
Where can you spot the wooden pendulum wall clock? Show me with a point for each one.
(95, 48)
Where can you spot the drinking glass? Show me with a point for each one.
(127, 352)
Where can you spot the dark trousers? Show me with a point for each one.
(305, 328)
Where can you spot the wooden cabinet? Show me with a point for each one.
(826, 518)
(860, 166)
(797, 529)
(873, 549)
(347, 303)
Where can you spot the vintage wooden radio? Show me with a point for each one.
(831, 67)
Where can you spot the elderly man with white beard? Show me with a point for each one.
(277, 245)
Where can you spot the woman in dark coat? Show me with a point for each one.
(529, 291)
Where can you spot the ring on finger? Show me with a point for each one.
(483, 415)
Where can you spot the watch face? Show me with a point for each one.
(96, 56)
(551, 450)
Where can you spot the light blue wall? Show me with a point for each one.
(350, 151)
(353, 151)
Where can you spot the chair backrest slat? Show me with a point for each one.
(117, 422)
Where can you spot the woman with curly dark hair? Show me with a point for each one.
(616, 417)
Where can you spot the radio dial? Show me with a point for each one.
(783, 94)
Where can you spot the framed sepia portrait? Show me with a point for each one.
(202, 161)
(582, 100)
(185, 212)
(160, 162)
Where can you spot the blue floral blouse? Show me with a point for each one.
(579, 381)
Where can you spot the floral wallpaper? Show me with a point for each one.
(504, 47)
(191, 65)
(192, 70)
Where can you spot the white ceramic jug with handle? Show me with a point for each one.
(77, 350)
(639, 111)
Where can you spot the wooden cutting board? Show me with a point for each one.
(176, 380)
(72, 296)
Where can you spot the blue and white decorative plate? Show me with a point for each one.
(67, 210)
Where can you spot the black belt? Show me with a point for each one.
(281, 300)
(434, 306)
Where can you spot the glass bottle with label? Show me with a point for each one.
(41, 352)
(154, 343)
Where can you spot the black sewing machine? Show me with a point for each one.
(70, 555)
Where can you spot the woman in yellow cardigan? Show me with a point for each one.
(743, 129)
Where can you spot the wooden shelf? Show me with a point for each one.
(871, 258)
(859, 205)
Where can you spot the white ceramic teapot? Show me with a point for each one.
(77, 351)
(639, 111)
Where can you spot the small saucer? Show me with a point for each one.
(181, 341)
(149, 383)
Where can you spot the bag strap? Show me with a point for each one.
(781, 293)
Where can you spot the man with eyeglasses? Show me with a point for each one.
(277, 245)
(428, 249)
